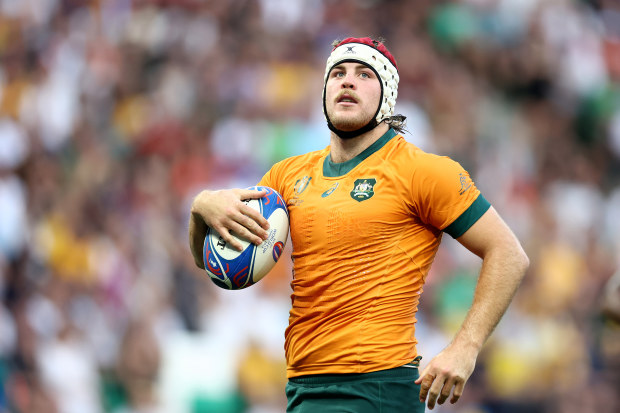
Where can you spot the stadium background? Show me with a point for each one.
(115, 113)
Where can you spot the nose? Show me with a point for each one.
(348, 82)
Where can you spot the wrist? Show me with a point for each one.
(467, 344)
(199, 202)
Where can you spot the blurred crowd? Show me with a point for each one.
(114, 114)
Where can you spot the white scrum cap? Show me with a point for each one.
(376, 56)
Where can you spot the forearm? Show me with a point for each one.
(197, 234)
(501, 273)
(197, 228)
(503, 266)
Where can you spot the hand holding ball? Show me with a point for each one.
(234, 270)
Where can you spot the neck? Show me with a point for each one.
(342, 150)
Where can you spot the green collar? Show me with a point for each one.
(333, 170)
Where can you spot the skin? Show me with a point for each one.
(352, 96)
(611, 297)
(358, 82)
(224, 211)
(503, 266)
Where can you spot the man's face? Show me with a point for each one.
(352, 95)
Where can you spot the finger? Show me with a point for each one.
(252, 231)
(434, 391)
(458, 392)
(251, 193)
(259, 224)
(419, 379)
(241, 231)
(250, 224)
(229, 238)
(425, 386)
(445, 391)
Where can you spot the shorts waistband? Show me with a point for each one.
(409, 370)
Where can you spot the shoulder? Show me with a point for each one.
(309, 159)
(289, 168)
(418, 162)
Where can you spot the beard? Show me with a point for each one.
(347, 122)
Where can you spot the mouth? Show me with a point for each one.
(347, 99)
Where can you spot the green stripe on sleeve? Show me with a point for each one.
(468, 218)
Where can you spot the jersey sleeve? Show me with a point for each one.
(272, 178)
(267, 179)
(445, 196)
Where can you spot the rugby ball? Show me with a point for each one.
(234, 270)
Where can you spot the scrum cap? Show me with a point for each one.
(376, 56)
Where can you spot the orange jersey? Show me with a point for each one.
(365, 233)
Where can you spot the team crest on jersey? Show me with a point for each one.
(302, 184)
(363, 189)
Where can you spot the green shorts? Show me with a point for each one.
(385, 391)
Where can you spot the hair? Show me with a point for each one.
(397, 122)
(375, 40)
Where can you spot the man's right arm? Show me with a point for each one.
(611, 297)
(225, 212)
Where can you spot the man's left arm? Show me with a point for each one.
(503, 266)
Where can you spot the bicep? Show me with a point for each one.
(487, 233)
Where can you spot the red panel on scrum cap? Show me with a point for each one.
(368, 41)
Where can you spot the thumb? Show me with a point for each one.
(424, 372)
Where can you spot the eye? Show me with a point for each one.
(365, 75)
(338, 74)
